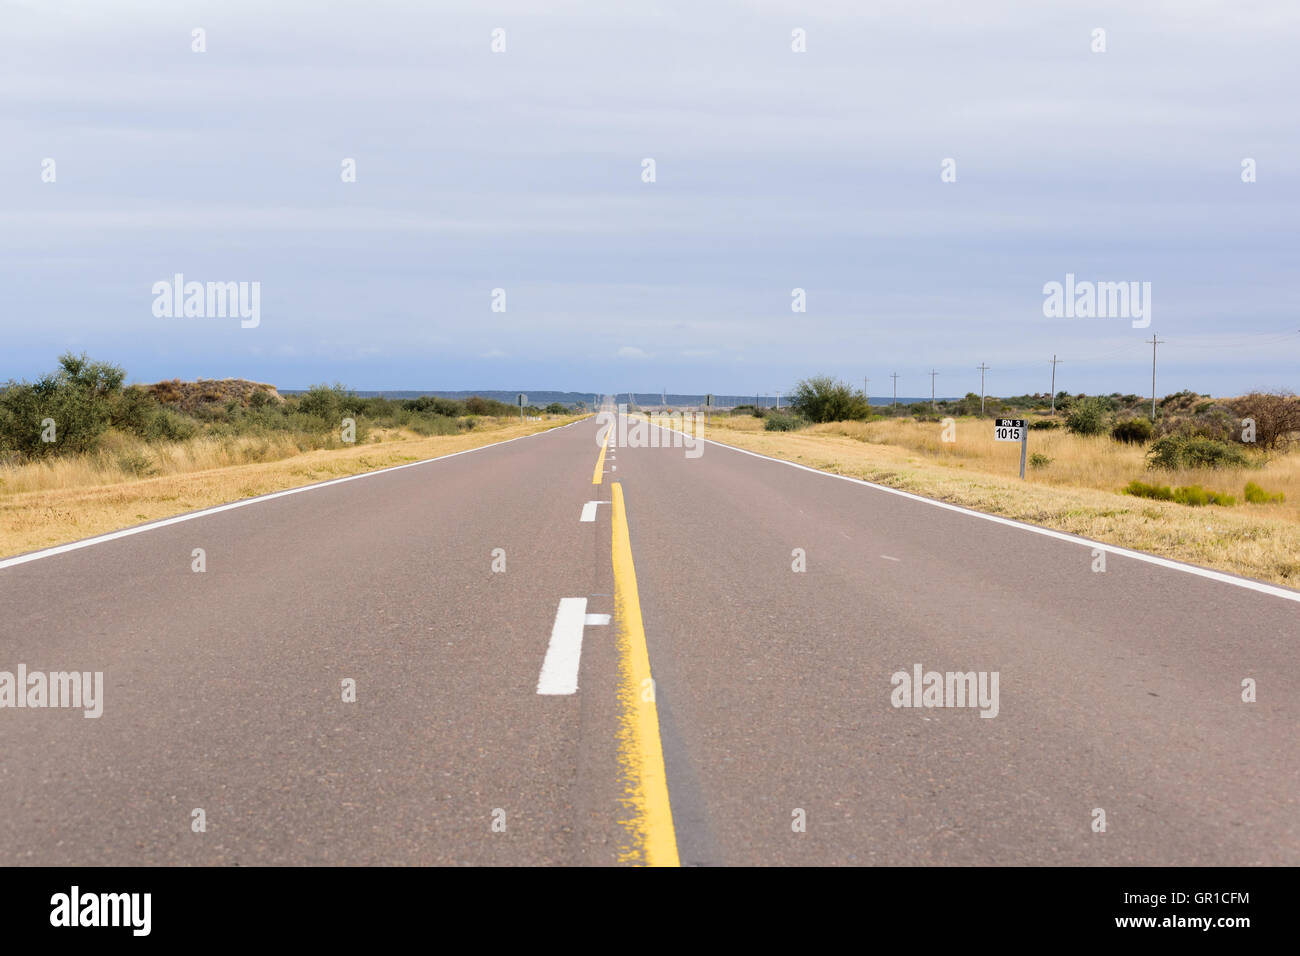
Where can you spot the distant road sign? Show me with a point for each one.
(1009, 429)
(523, 399)
(708, 400)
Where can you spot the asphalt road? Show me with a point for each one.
(771, 712)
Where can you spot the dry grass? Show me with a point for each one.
(1078, 492)
(44, 504)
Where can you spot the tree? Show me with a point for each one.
(822, 399)
(1276, 416)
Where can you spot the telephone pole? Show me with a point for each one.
(1154, 343)
(983, 368)
(866, 390)
(894, 376)
(933, 373)
(778, 400)
(1053, 383)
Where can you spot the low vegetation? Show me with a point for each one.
(1193, 495)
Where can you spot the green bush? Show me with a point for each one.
(1087, 417)
(1258, 496)
(1141, 489)
(1042, 424)
(776, 422)
(1194, 451)
(78, 397)
(1192, 495)
(166, 425)
(1197, 496)
(1132, 431)
(822, 399)
(1039, 460)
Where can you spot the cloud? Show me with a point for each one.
(632, 352)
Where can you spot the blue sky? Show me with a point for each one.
(774, 170)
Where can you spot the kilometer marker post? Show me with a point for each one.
(1013, 429)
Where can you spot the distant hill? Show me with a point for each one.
(189, 396)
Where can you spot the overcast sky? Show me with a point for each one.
(774, 170)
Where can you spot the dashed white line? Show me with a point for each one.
(560, 668)
(888, 558)
(589, 510)
(597, 619)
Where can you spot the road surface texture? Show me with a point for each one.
(496, 722)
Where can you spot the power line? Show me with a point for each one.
(983, 368)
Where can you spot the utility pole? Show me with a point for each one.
(1154, 343)
(1053, 383)
(866, 390)
(933, 373)
(894, 376)
(778, 399)
(983, 368)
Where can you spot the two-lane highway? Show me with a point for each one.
(720, 685)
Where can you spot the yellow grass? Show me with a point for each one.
(1078, 492)
(44, 504)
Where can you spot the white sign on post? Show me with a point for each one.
(1013, 429)
(1009, 429)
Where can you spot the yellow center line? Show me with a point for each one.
(599, 473)
(651, 837)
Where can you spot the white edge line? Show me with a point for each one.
(217, 509)
(1224, 578)
(589, 511)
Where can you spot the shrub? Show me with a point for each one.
(1044, 423)
(822, 399)
(79, 397)
(555, 408)
(1201, 452)
(323, 402)
(1142, 490)
(1194, 451)
(1192, 495)
(1196, 496)
(776, 422)
(1132, 431)
(1039, 460)
(166, 425)
(1087, 417)
(1258, 496)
